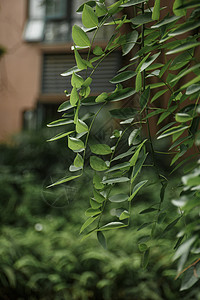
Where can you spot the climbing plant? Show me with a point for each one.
(160, 84)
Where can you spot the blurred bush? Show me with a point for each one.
(42, 255)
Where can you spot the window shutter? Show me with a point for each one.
(55, 64)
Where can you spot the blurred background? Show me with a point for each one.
(42, 255)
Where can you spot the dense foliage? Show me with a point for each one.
(42, 255)
(160, 88)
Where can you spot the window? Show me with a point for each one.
(49, 20)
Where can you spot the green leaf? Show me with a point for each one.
(75, 144)
(101, 98)
(136, 154)
(171, 225)
(120, 167)
(71, 71)
(101, 9)
(97, 164)
(102, 240)
(114, 8)
(172, 130)
(138, 82)
(156, 10)
(124, 215)
(97, 182)
(132, 2)
(90, 3)
(74, 97)
(190, 4)
(142, 19)
(63, 180)
(166, 113)
(191, 82)
(90, 212)
(65, 106)
(89, 18)
(81, 126)
(79, 37)
(98, 197)
(142, 247)
(158, 94)
(145, 258)
(181, 74)
(98, 50)
(76, 80)
(183, 117)
(78, 161)
(60, 122)
(193, 89)
(136, 189)
(144, 225)
(123, 76)
(144, 98)
(115, 180)
(112, 225)
(165, 21)
(59, 136)
(148, 210)
(190, 25)
(176, 10)
(121, 94)
(87, 223)
(118, 198)
(183, 47)
(94, 204)
(101, 149)
(79, 61)
(131, 39)
(189, 279)
(149, 61)
(138, 166)
(123, 113)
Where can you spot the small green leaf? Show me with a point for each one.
(132, 2)
(63, 180)
(142, 19)
(114, 8)
(121, 94)
(185, 28)
(60, 122)
(76, 80)
(112, 225)
(149, 61)
(98, 50)
(123, 76)
(89, 18)
(59, 136)
(136, 189)
(79, 37)
(171, 225)
(142, 247)
(131, 39)
(101, 149)
(145, 258)
(138, 166)
(189, 279)
(136, 154)
(183, 47)
(87, 223)
(144, 225)
(87, 82)
(123, 113)
(118, 198)
(158, 94)
(191, 82)
(115, 180)
(97, 164)
(165, 21)
(138, 82)
(101, 9)
(190, 4)
(193, 89)
(144, 98)
(172, 130)
(65, 106)
(102, 240)
(78, 161)
(101, 98)
(94, 204)
(98, 197)
(183, 117)
(75, 144)
(70, 71)
(156, 10)
(148, 210)
(97, 182)
(79, 61)
(90, 212)
(124, 215)
(176, 10)
(120, 167)
(74, 97)
(81, 126)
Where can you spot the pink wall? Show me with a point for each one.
(19, 68)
